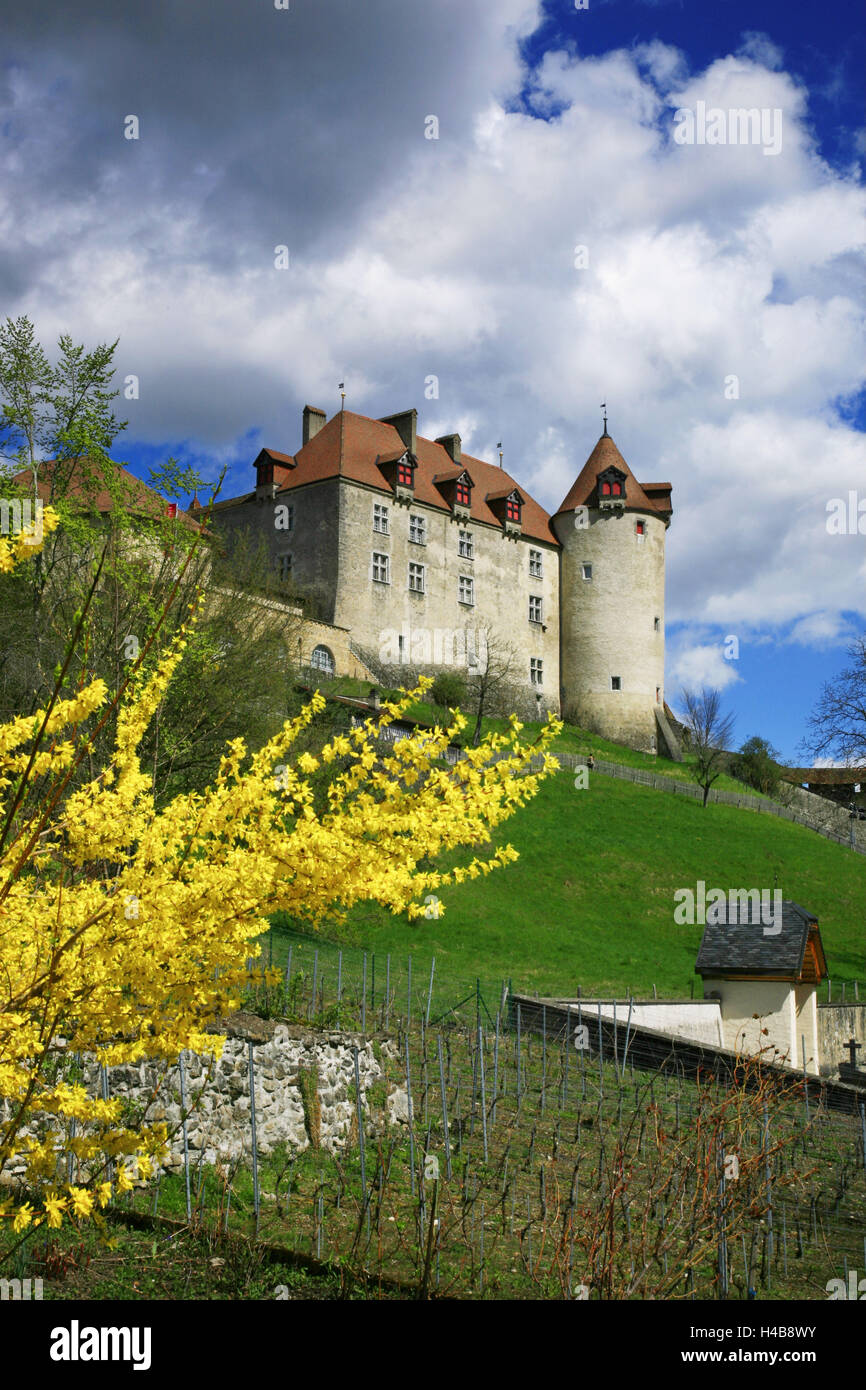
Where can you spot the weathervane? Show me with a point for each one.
(604, 408)
(499, 447)
(342, 395)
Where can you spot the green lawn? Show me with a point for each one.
(590, 900)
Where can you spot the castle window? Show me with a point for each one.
(616, 489)
(416, 579)
(322, 660)
(465, 589)
(380, 518)
(465, 546)
(658, 694)
(535, 608)
(461, 494)
(284, 568)
(381, 568)
(535, 562)
(605, 489)
(640, 529)
(657, 624)
(536, 671)
(512, 509)
(616, 682)
(404, 474)
(587, 571)
(418, 530)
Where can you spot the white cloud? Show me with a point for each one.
(455, 257)
(696, 667)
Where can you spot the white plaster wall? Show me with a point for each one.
(774, 1003)
(698, 1021)
(500, 569)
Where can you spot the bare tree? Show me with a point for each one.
(491, 665)
(710, 731)
(838, 722)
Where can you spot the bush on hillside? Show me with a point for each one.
(448, 690)
(756, 765)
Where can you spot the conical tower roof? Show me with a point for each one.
(584, 490)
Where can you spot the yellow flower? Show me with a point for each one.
(54, 1209)
(124, 1181)
(23, 1218)
(82, 1201)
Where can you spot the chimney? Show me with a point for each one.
(451, 443)
(406, 424)
(313, 421)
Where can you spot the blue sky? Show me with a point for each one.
(455, 258)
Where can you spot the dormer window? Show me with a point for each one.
(399, 472)
(611, 486)
(506, 507)
(461, 494)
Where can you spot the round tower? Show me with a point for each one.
(612, 601)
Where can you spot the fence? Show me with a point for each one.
(523, 1165)
(743, 801)
(855, 838)
(499, 1154)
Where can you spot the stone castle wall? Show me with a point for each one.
(608, 624)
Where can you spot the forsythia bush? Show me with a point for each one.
(124, 930)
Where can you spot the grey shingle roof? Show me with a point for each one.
(747, 944)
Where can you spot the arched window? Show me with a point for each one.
(605, 489)
(323, 660)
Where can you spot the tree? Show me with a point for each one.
(491, 664)
(838, 723)
(709, 732)
(124, 927)
(756, 764)
(236, 675)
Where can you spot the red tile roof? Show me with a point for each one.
(824, 776)
(139, 497)
(352, 446)
(647, 497)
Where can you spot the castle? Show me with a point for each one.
(410, 551)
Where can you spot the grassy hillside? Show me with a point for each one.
(571, 740)
(590, 902)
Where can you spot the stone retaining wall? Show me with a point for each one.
(288, 1060)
